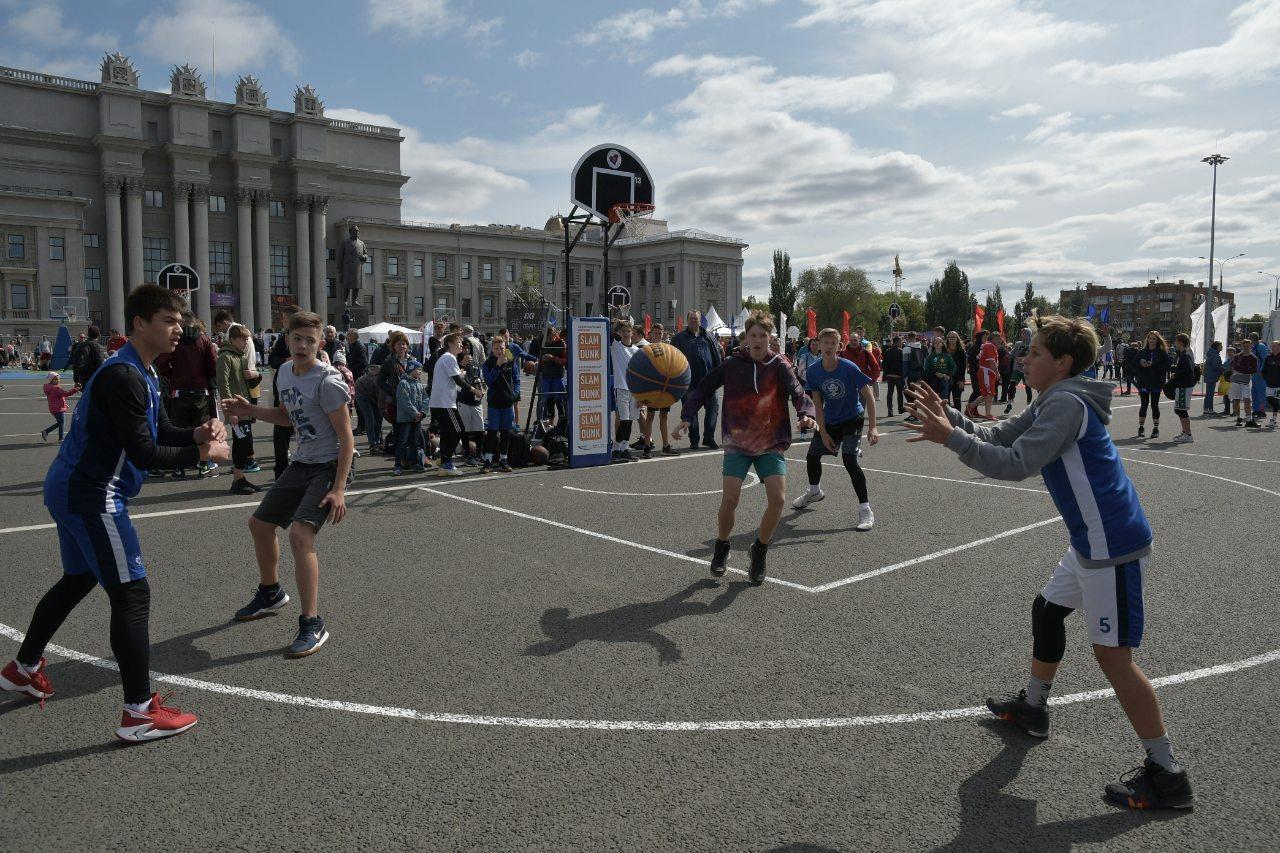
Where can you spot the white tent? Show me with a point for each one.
(1271, 331)
(711, 320)
(379, 332)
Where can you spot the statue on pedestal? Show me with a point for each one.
(351, 260)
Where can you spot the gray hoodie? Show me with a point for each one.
(1019, 447)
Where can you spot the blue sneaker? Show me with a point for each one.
(253, 468)
(262, 605)
(311, 636)
(447, 470)
(396, 472)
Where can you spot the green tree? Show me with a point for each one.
(782, 293)
(751, 303)
(1073, 303)
(831, 290)
(949, 302)
(530, 287)
(1023, 307)
(994, 304)
(912, 317)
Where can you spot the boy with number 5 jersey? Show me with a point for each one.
(1063, 435)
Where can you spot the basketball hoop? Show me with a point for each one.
(633, 216)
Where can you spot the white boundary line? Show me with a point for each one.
(745, 485)
(929, 477)
(1199, 455)
(630, 725)
(1203, 474)
(614, 539)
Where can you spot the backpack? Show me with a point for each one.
(518, 450)
(87, 357)
(916, 360)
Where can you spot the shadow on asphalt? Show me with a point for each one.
(991, 819)
(632, 623)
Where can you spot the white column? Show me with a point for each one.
(302, 251)
(319, 298)
(244, 260)
(111, 184)
(262, 258)
(133, 222)
(181, 224)
(200, 252)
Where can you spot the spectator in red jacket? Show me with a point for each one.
(192, 375)
(115, 341)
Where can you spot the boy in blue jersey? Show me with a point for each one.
(842, 397)
(118, 433)
(1063, 435)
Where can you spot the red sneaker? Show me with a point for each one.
(158, 721)
(36, 685)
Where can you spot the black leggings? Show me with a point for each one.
(891, 384)
(241, 446)
(450, 432)
(1152, 397)
(957, 391)
(813, 463)
(130, 612)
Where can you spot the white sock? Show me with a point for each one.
(140, 708)
(26, 670)
(815, 489)
(866, 505)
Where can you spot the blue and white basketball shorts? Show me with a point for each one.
(500, 420)
(106, 545)
(1110, 598)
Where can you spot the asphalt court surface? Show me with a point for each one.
(514, 597)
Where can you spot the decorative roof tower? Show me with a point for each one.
(118, 70)
(249, 92)
(307, 103)
(185, 80)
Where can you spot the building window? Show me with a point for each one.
(277, 146)
(486, 307)
(280, 270)
(216, 140)
(466, 308)
(153, 198)
(657, 310)
(331, 288)
(92, 280)
(393, 265)
(657, 276)
(330, 254)
(393, 306)
(277, 210)
(57, 290)
(220, 259)
(510, 272)
(217, 204)
(153, 131)
(442, 303)
(486, 272)
(91, 241)
(551, 275)
(19, 297)
(671, 275)
(643, 276)
(466, 269)
(573, 276)
(419, 306)
(57, 249)
(95, 317)
(442, 268)
(671, 310)
(367, 267)
(155, 256)
(591, 278)
(418, 265)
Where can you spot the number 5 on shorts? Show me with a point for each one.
(1104, 625)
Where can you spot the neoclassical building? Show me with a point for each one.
(103, 184)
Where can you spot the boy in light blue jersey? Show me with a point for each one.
(1063, 435)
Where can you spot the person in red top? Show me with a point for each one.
(115, 341)
(191, 372)
(988, 376)
(57, 397)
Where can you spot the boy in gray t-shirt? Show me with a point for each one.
(312, 490)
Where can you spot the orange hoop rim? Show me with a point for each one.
(629, 210)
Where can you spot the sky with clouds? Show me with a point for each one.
(1033, 141)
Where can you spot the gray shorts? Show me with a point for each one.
(297, 494)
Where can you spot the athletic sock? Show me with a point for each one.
(865, 505)
(1160, 750)
(815, 489)
(26, 670)
(139, 708)
(1038, 691)
(761, 545)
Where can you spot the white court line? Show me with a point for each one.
(21, 435)
(607, 538)
(826, 587)
(1203, 474)
(745, 485)
(929, 477)
(629, 725)
(1201, 455)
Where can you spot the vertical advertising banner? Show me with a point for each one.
(588, 391)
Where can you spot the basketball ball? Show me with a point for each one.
(658, 375)
(538, 455)
(530, 367)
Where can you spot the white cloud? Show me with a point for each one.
(42, 25)
(527, 59)
(443, 184)
(483, 30)
(247, 37)
(1052, 125)
(639, 26)
(456, 85)
(946, 93)
(415, 17)
(1023, 110)
(1248, 54)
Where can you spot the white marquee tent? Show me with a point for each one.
(379, 332)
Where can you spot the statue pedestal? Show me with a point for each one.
(358, 314)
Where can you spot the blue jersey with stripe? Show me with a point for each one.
(1097, 499)
(92, 473)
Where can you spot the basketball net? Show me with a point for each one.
(634, 218)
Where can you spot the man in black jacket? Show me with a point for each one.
(87, 356)
(358, 364)
(704, 355)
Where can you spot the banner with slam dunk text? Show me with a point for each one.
(588, 381)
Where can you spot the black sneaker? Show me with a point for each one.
(719, 558)
(244, 487)
(262, 605)
(647, 453)
(1152, 787)
(1155, 432)
(1008, 408)
(668, 450)
(1142, 432)
(1252, 423)
(624, 455)
(756, 572)
(1239, 421)
(311, 636)
(710, 444)
(486, 468)
(637, 444)
(1032, 719)
(505, 467)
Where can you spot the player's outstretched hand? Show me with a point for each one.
(679, 431)
(922, 393)
(336, 500)
(238, 406)
(934, 424)
(212, 430)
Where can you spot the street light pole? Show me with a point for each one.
(1214, 160)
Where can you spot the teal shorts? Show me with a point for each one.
(737, 465)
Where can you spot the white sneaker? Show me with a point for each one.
(1271, 424)
(866, 518)
(807, 498)
(859, 451)
(1183, 438)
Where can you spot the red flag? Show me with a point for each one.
(812, 317)
(1000, 321)
(979, 315)
(679, 323)
(844, 326)
(648, 324)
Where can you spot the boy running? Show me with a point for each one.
(1063, 434)
(312, 489)
(757, 385)
(118, 433)
(841, 394)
